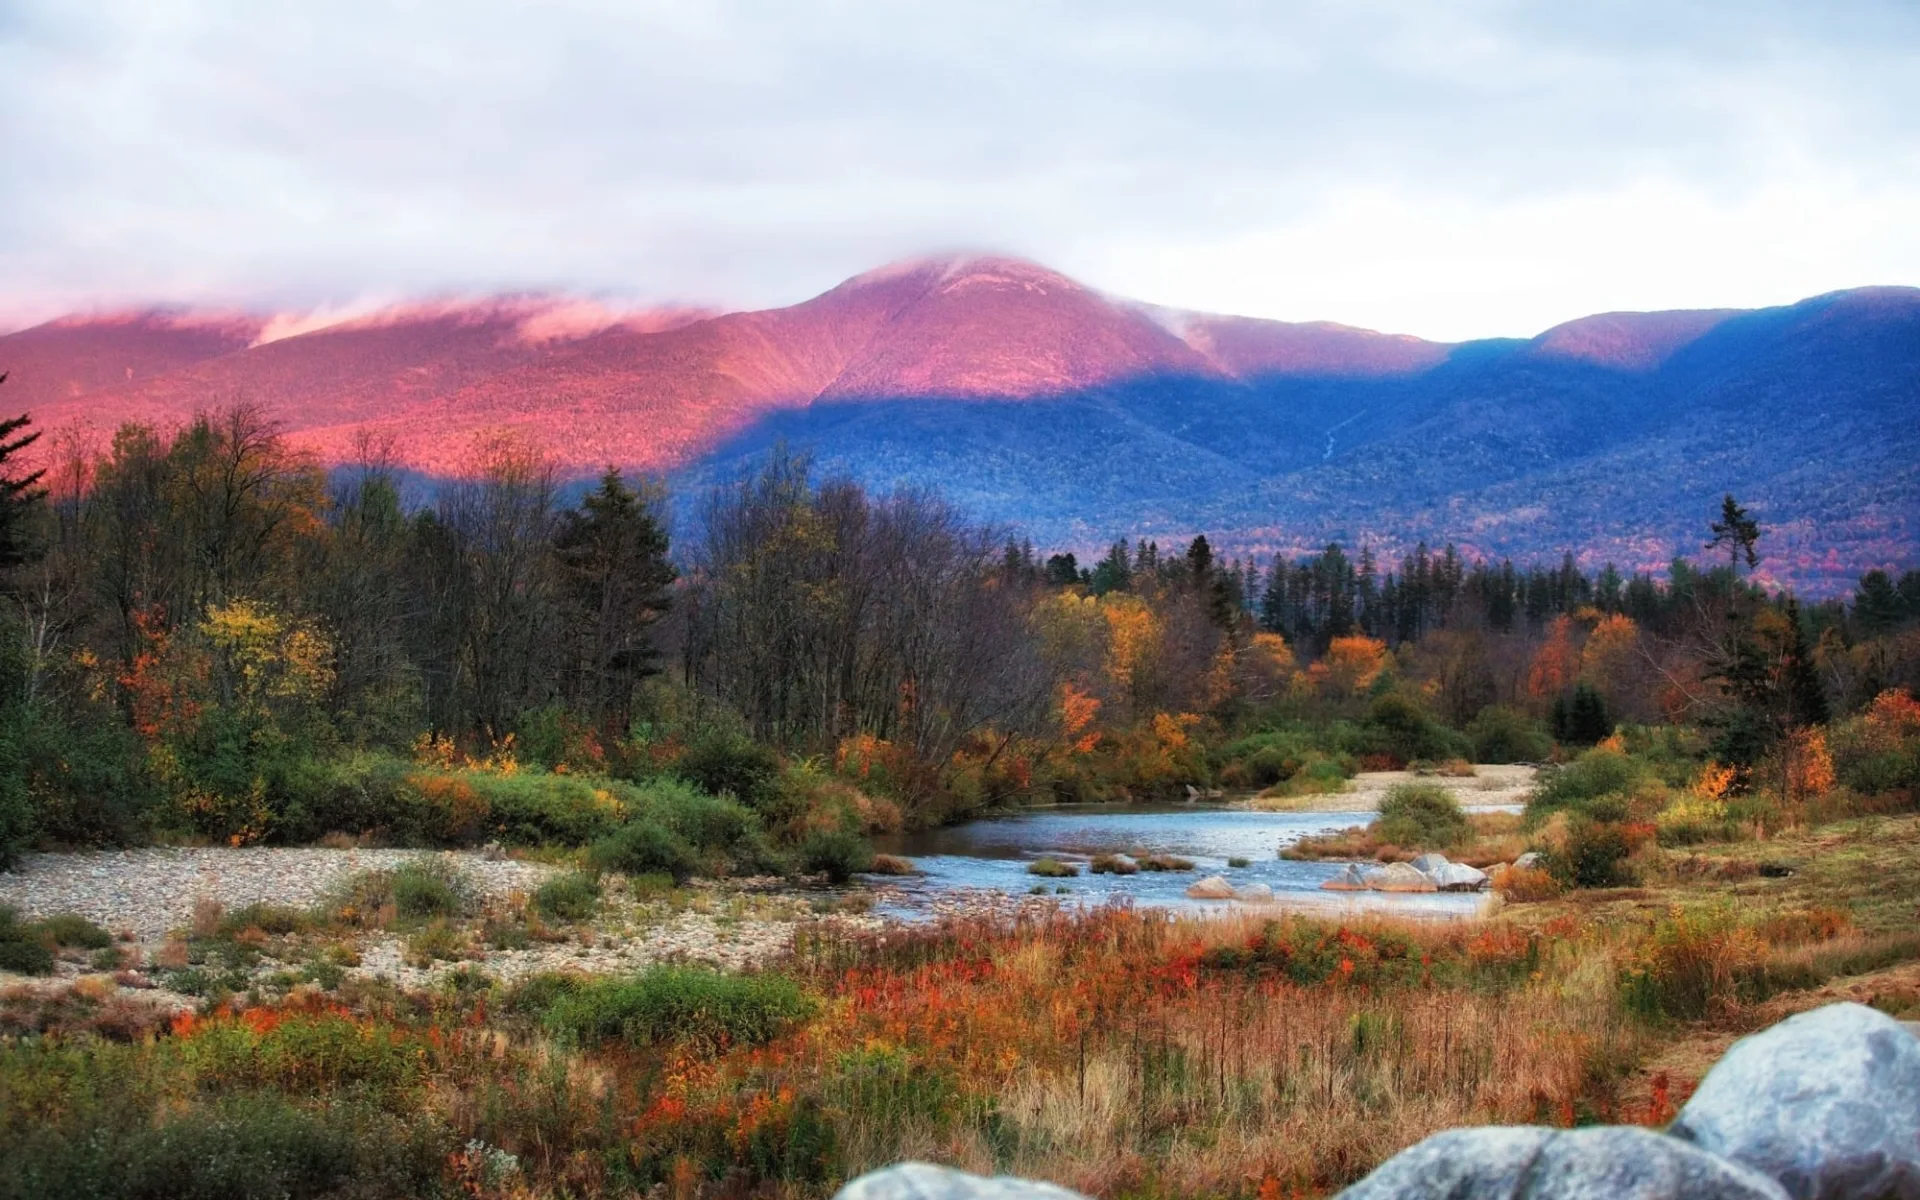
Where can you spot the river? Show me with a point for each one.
(992, 854)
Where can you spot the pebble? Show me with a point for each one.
(152, 890)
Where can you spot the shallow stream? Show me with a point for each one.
(993, 853)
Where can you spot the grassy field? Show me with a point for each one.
(1124, 1053)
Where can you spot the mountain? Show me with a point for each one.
(1076, 416)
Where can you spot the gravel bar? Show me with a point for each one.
(152, 890)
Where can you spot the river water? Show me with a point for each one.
(992, 854)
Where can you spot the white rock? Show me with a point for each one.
(923, 1181)
(1827, 1102)
(1213, 887)
(1458, 877)
(1398, 877)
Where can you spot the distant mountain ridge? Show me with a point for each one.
(1077, 417)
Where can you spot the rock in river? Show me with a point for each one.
(1398, 877)
(1211, 888)
(1350, 879)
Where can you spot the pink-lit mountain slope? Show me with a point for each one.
(1076, 415)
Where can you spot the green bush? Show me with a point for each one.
(21, 948)
(1595, 855)
(720, 828)
(72, 930)
(1052, 868)
(1262, 760)
(1578, 784)
(89, 780)
(1506, 735)
(676, 829)
(536, 808)
(727, 762)
(1398, 727)
(1422, 816)
(840, 854)
(569, 897)
(689, 1005)
(643, 847)
(428, 889)
(415, 890)
(242, 1147)
(363, 792)
(25, 957)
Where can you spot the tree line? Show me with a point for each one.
(202, 619)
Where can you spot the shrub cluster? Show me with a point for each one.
(694, 1006)
(1422, 816)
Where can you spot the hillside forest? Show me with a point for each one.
(211, 639)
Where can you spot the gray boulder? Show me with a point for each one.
(1350, 879)
(1531, 1163)
(1398, 877)
(1254, 893)
(1827, 1102)
(1458, 877)
(1429, 862)
(1211, 888)
(923, 1181)
(1532, 860)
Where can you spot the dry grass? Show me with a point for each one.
(1496, 838)
(1118, 1054)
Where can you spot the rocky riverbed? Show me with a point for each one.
(180, 930)
(149, 891)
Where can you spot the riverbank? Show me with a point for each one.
(1492, 785)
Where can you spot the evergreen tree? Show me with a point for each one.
(1581, 720)
(19, 494)
(1736, 532)
(1063, 570)
(1877, 606)
(1199, 561)
(614, 577)
(1114, 573)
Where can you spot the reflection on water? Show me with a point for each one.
(993, 854)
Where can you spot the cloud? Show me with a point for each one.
(1446, 169)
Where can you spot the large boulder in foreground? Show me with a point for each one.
(1827, 1102)
(923, 1181)
(1531, 1163)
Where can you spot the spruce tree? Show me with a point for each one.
(19, 494)
(1736, 532)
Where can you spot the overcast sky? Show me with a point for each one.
(1449, 168)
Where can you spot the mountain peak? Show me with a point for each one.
(1629, 341)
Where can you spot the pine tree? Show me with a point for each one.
(1737, 533)
(612, 552)
(19, 494)
(1114, 573)
(1199, 561)
(1877, 606)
